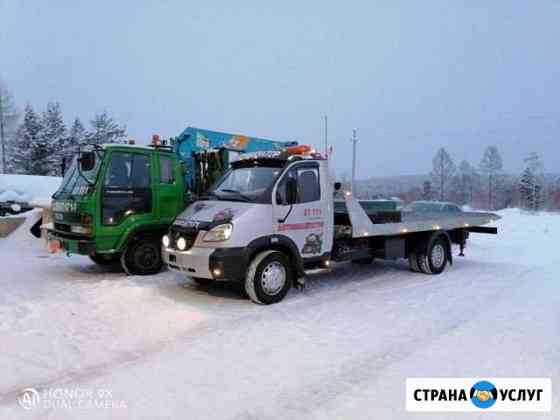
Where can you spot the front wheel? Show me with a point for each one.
(269, 278)
(143, 257)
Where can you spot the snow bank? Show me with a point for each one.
(32, 189)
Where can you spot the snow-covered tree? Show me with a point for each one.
(442, 172)
(53, 137)
(491, 166)
(105, 130)
(8, 122)
(75, 138)
(22, 146)
(465, 183)
(531, 184)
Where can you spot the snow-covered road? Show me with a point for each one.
(165, 348)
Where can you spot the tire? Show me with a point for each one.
(142, 257)
(269, 277)
(202, 282)
(105, 259)
(436, 258)
(413, 262)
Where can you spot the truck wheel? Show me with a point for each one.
(142, 257)
(435, 260)
(269, 278)
(413, 262)
(105, 259)
(202, 282)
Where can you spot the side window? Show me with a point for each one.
(281, 189)
(128, 171)
(308, 186)
(166, 170)
(127, 188)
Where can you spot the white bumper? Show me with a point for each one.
(194, 262)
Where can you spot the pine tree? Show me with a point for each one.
(442, 172)
(531, 184)
(22, 146)
(53, 136)
(491, 166)
(105, 130)
(72, 142)
(8, 122)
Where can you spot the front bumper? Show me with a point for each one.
(73, 244)
(208, 263)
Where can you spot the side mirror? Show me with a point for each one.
(291, 191)
(337, 186)
(87, 161)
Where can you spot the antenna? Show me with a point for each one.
(326, 138)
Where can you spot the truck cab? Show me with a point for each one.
(271, 215)
(115, 202)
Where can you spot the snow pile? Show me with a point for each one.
(32, 189)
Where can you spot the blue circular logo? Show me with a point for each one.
(483, 394)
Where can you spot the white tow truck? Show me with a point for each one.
(271, 217)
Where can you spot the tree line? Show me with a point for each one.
(487, 186)
(40, 143)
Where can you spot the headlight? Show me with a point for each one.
(219, 233)
(181, 244)
(165, 241)
(80, 229)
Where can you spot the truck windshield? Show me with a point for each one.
(76, 184)
(245, 184)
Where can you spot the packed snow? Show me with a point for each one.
(32, 189)
(162, 347)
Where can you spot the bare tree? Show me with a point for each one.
(442, 172)
(8, 120)
(491, 166)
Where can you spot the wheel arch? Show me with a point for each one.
(279, 243)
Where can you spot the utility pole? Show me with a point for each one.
(2, 134)
(326, 138)
(354, 140)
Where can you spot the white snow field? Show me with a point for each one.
(161, 347)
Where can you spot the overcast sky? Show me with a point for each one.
(409, 76)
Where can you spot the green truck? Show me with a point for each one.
(117, 200)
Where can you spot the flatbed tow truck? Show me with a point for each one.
(271, 217)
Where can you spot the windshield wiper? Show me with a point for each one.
(239, 193)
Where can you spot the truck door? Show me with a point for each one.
(126, 195)
(303, 222)
(169, 198)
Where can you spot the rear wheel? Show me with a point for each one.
(413, 261)
(142, 257)
(269, 278)
(435, 258)
(105, 259)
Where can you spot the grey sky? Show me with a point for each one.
(410, 76)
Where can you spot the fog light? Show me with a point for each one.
(165, 241)
(217, 272)
(181, 244)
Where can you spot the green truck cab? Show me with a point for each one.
(116, 201)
